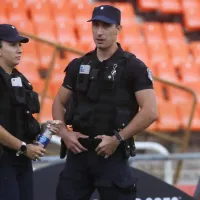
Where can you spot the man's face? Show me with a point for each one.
(104, 34)
(10, 53)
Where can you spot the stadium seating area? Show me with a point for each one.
(162, 44)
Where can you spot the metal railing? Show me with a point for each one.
(187, 133)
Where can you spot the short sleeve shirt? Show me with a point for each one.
(139, 75)
(71, 74)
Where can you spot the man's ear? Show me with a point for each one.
(119, 28)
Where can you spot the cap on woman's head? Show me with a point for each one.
(106, 13)
(9, 33)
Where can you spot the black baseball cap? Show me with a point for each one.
(9, 33)
(106, 13)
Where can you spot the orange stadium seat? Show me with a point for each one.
(127, 13)
(179, 53)
(152, 127)
(31, 2)
(130, 36)
(56, 82)
(148, 5)
(173, 33)
(66, 35)
(191, 19)
(141, 52)
(99, 3)
(62, 12)
(153, 32)
(46, 110)
(170, 7)
(185, 111)
(158, 53)
(3, 12)
(29, 56)
(78, 1)
(82, 13)
(191, 15)
(195, 86)
(17, 11)
(190, 72)
(167, 72)
(86, 42)
(45, 53)
(85, 38)
(169, 119)
(45, 30)
(126, 8)
(195, 50)
(189, 4)
(40, 11)
(60, 64)
(177, 96)
(158, 88)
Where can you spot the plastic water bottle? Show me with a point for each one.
(45, 137)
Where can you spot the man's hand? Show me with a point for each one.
(70, 139)
(107, 146)
(34, 152)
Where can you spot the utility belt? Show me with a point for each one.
(128, 146)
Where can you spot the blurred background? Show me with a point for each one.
(165, 34)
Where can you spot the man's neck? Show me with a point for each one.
(106, 53)
(6, 68)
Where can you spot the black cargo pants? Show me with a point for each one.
(85, 172)
(16, 177)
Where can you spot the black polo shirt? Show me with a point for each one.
(137, 74)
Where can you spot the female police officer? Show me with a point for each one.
(18, 128)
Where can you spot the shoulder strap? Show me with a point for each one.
(4, 78)
(129, 55)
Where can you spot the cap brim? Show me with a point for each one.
(103, 18)
(17, 39)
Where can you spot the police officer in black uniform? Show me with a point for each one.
(108, 86)
(18, 127)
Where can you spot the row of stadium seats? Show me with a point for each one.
(189, 9)
(165, 40)
(146, 40)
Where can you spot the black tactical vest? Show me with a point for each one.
(17, 104)
(103, 102)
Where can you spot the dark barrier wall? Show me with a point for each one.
(149, 187)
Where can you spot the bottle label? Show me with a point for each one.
(43, 141)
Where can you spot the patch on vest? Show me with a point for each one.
(84, 69)
(149, 73)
